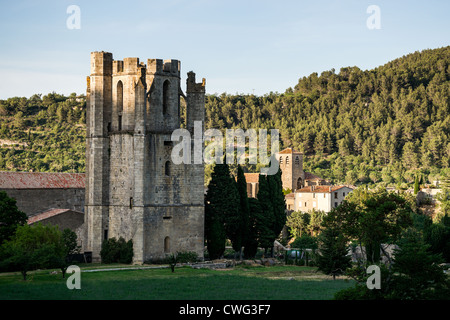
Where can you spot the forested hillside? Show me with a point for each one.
(376, 126)
(385, 124)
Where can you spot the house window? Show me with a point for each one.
(314, 195)
(343, 194)
(335, 195)
(131, 202)
(335, 204)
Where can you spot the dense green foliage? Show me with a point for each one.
(222, 214)
(43, 133)
(385, 125)
(36, 247)
(414, 274)
(248, 222)
(10, 217)
(333, 256)
(117, 251)
(305, 223)
(244, 210)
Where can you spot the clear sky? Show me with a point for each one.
(246, 46)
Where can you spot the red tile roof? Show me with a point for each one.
(288, 151)
(319, 189)
(41, 180)
(290, 195)
(251, 177)
(310, 176)
(48, 214)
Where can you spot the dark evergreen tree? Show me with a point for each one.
(278, 202)
(10, 217)
(244, 208)
(265, 222)
(333, 258)
(251, 244)
(416, 185)
(221, 211)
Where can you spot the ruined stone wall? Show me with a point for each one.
(135, 191)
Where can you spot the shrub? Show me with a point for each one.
(120, 251)
(187, 256)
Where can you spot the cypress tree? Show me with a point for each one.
(333, 259)
(221, 211)
(244, 207)
(278, 202)
(416, 185)
(265, 221)
(251, 239)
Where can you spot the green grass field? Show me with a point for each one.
(260, 283)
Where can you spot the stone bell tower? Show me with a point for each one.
(133, 190)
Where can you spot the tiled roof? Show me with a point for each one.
(310, 176)
(320, 189)
(41, 180)
(288, 151)
(48, 214)
(251, 177)
(290, 195)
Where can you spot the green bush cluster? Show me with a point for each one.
(117, 251)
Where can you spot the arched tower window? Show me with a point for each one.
(166, 87)
(167, 168)
(166, 245)
(297, 161)
(299, 183)
(281, 160)
(119, 104)
(287, 160)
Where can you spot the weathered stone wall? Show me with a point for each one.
(32, 201)
(181, 225)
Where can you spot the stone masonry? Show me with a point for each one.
(133, 189)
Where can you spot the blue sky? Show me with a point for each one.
(238, 46)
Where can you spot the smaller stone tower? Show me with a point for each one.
(291, 165)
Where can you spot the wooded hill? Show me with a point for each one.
(384, 125)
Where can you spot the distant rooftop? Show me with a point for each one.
(288, 151)
(251, 177)
(41, 180)
(319, 189)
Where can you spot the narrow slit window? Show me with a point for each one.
(167, 169)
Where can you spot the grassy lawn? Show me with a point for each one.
(239, 283)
